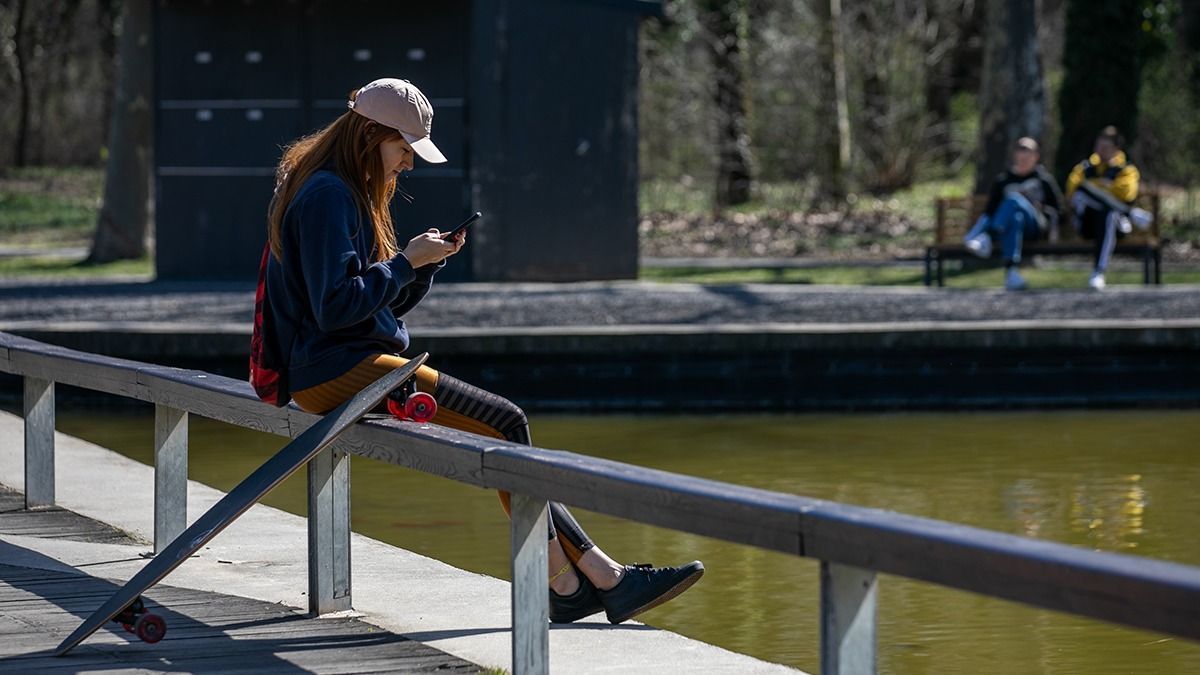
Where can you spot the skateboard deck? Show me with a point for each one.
(284, 463)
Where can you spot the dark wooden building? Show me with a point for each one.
(535, 108)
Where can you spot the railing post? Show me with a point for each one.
(848, 599)
(329, 531)
(170, 474)
(530, 592)
(39, 442)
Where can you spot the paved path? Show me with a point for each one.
(226, 306)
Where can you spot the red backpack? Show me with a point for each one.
(268, 375)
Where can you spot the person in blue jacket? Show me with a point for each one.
(338, 284)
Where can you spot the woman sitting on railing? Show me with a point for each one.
(337, 283)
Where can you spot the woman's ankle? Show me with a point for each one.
(609, 578)
(565, 584)
(603, 576)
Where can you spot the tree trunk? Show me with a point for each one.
(723, 22)
(106, 10)
(1102, 75)
(948, 43)
(1012, 97)
(21, 48)
(1189, 41)
(835, 109)
(127, 215)
(871, 138)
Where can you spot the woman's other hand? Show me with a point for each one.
(429, 248)
(458, 242)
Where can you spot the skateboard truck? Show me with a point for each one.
(406, 403)
(136, 619)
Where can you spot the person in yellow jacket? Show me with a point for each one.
(1101, 190)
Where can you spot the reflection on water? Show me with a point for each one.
(1118, 481)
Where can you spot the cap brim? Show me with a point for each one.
(425, 148)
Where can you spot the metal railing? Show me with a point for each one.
(853, 543)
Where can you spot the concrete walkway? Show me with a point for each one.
(227, 306)
(262, 556)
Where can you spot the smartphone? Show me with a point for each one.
(457, 232)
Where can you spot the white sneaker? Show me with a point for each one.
(1013, 280)
(1096, 281)
(1142, 219)
(980, 245)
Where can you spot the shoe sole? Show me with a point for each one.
(572, 618)
(671, 593)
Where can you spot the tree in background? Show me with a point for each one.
(127, 214)
(953, 63)
(887, 69)
(1102, 75)
(724, 25)
(1189, 41)
(1169, 129)
(56, 79)
(21, 54)
(39, 34)
(835, 108)
(1012, 97)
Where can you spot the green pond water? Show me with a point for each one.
(1116, 481)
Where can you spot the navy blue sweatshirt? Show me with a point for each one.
(329, 305)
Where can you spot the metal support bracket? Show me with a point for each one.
(329, 531)
(530, 592)
(848, 601)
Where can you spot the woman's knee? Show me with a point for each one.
(513, 423)
(485, 407)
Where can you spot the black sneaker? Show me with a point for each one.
(583, 602)
(644, 587)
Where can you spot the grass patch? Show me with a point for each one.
(59, 267)
(49, 206)
(694, 197)
(852, 275)
(917, 202)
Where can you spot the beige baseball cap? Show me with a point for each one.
(401, 106)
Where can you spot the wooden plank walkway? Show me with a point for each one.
(206, 632)
(55, 523)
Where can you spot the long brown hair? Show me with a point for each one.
(351, 142)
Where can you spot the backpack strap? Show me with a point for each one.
(266, 376)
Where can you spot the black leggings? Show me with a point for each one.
(508, 421)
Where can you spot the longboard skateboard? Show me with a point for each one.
(126, 604)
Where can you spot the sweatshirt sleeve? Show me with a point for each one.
(412, 294)
(1053, 197)
(1074, 179)
(342, 289)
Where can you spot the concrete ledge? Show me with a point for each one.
(158, 340)
(262, 556)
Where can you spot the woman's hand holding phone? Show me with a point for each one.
(429, 248)
(434, 246)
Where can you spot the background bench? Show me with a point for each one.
(956, 215)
